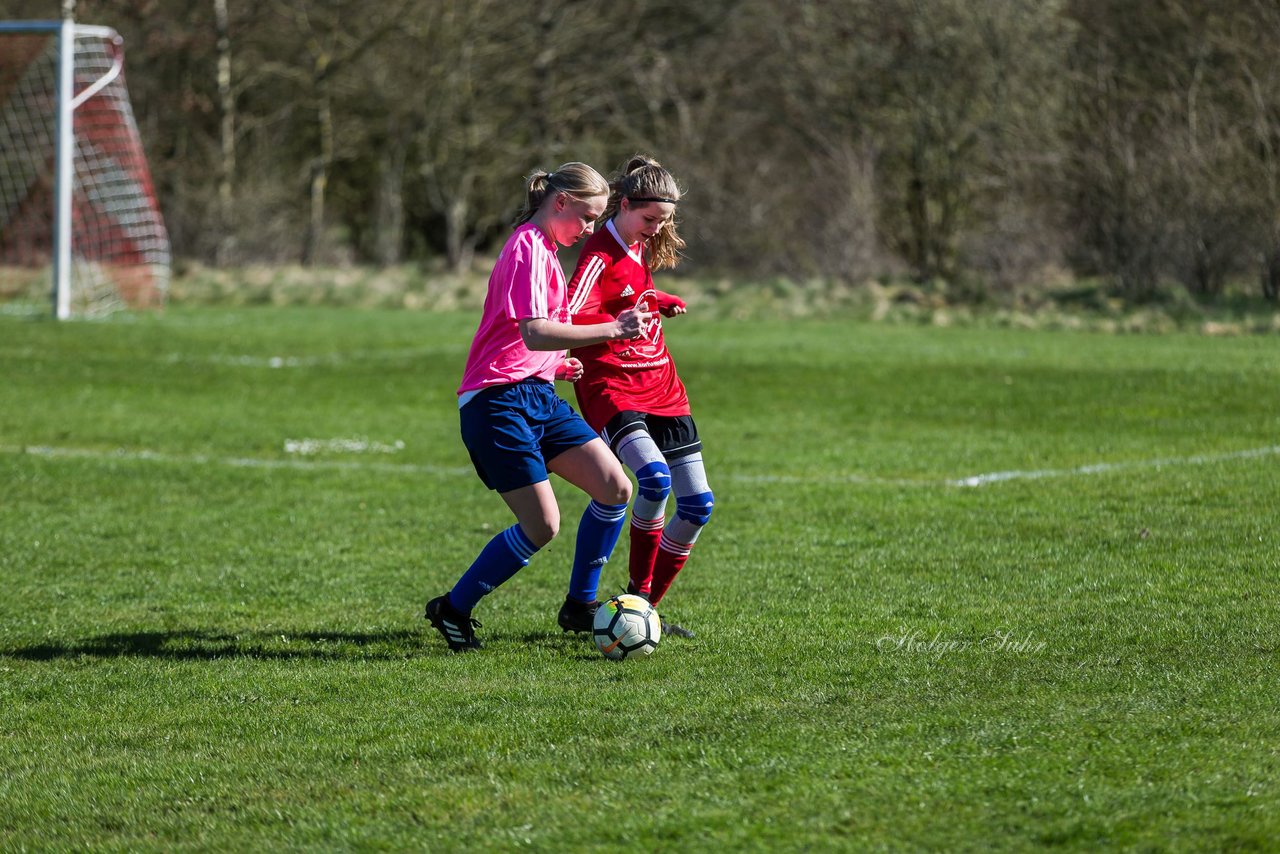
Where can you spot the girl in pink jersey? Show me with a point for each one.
(516, 428)
(629, 390)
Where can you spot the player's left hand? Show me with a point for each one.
(669, 305)
(570, 370)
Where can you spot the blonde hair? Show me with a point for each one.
(643, 180)
(576, 180)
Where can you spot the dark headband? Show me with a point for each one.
(652, 199)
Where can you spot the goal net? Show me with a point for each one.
(78, 211)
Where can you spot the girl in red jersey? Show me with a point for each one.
(629, 389)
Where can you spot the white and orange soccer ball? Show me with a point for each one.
(626, 625)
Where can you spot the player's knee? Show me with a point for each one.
(696, 508)
(654, 480)
(615, 490)
(541, 530)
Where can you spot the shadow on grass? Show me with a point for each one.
(205, 645)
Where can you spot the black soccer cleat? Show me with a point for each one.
(577, 616)
(457, 628)
(667, 628)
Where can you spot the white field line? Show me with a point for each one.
(310, 447)
(452, 471)
(1102, 468)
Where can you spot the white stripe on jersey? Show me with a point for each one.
(538, 290)
(590, 275)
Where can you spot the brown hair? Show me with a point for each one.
(577, 180)
(643, 180)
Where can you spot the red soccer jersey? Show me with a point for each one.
(622, 375)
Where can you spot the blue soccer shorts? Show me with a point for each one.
(512, 430)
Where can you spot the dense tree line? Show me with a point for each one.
(991, 144)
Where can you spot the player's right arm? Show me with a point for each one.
(540, 333)
(589, 324)
(529, 303)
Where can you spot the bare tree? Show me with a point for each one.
(1255, 34)
(226, 133)
(471, 135)
(333, 37)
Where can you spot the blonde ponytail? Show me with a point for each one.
(577, 180)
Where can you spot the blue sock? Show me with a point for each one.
(504, 556)
(597, 535)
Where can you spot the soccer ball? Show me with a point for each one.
(626, 625)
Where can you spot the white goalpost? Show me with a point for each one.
(78, 210)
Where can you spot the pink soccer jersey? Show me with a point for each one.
(526, 282)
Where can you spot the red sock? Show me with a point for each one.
(645, 534)
(671, 559)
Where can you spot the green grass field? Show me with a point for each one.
(210, 640)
